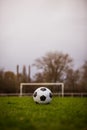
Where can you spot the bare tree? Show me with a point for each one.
(53, 66)
(24, 74)
(72, 80)
(1, 80)
(83, 82)
(10, 82)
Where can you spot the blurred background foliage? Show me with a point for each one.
(52, 67)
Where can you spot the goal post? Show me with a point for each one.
(41, 84)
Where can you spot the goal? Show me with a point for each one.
(41, 84)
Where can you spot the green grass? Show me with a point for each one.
(61, 114)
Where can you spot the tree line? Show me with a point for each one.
(52, 67)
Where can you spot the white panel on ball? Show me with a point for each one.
(42, 95)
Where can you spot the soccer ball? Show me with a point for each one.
(42, 95)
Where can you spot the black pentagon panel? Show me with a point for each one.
(43, 89)
(42, 98)
(35, 94)
(50, 95)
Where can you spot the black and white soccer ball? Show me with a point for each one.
(42, 95)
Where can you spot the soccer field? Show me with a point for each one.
(61, 114)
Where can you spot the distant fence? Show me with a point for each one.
(54, 94)
(73, 94)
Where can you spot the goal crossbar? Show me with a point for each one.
(40, 84)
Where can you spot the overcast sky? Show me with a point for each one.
(31, 28)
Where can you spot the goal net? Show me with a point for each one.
(50, 85)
